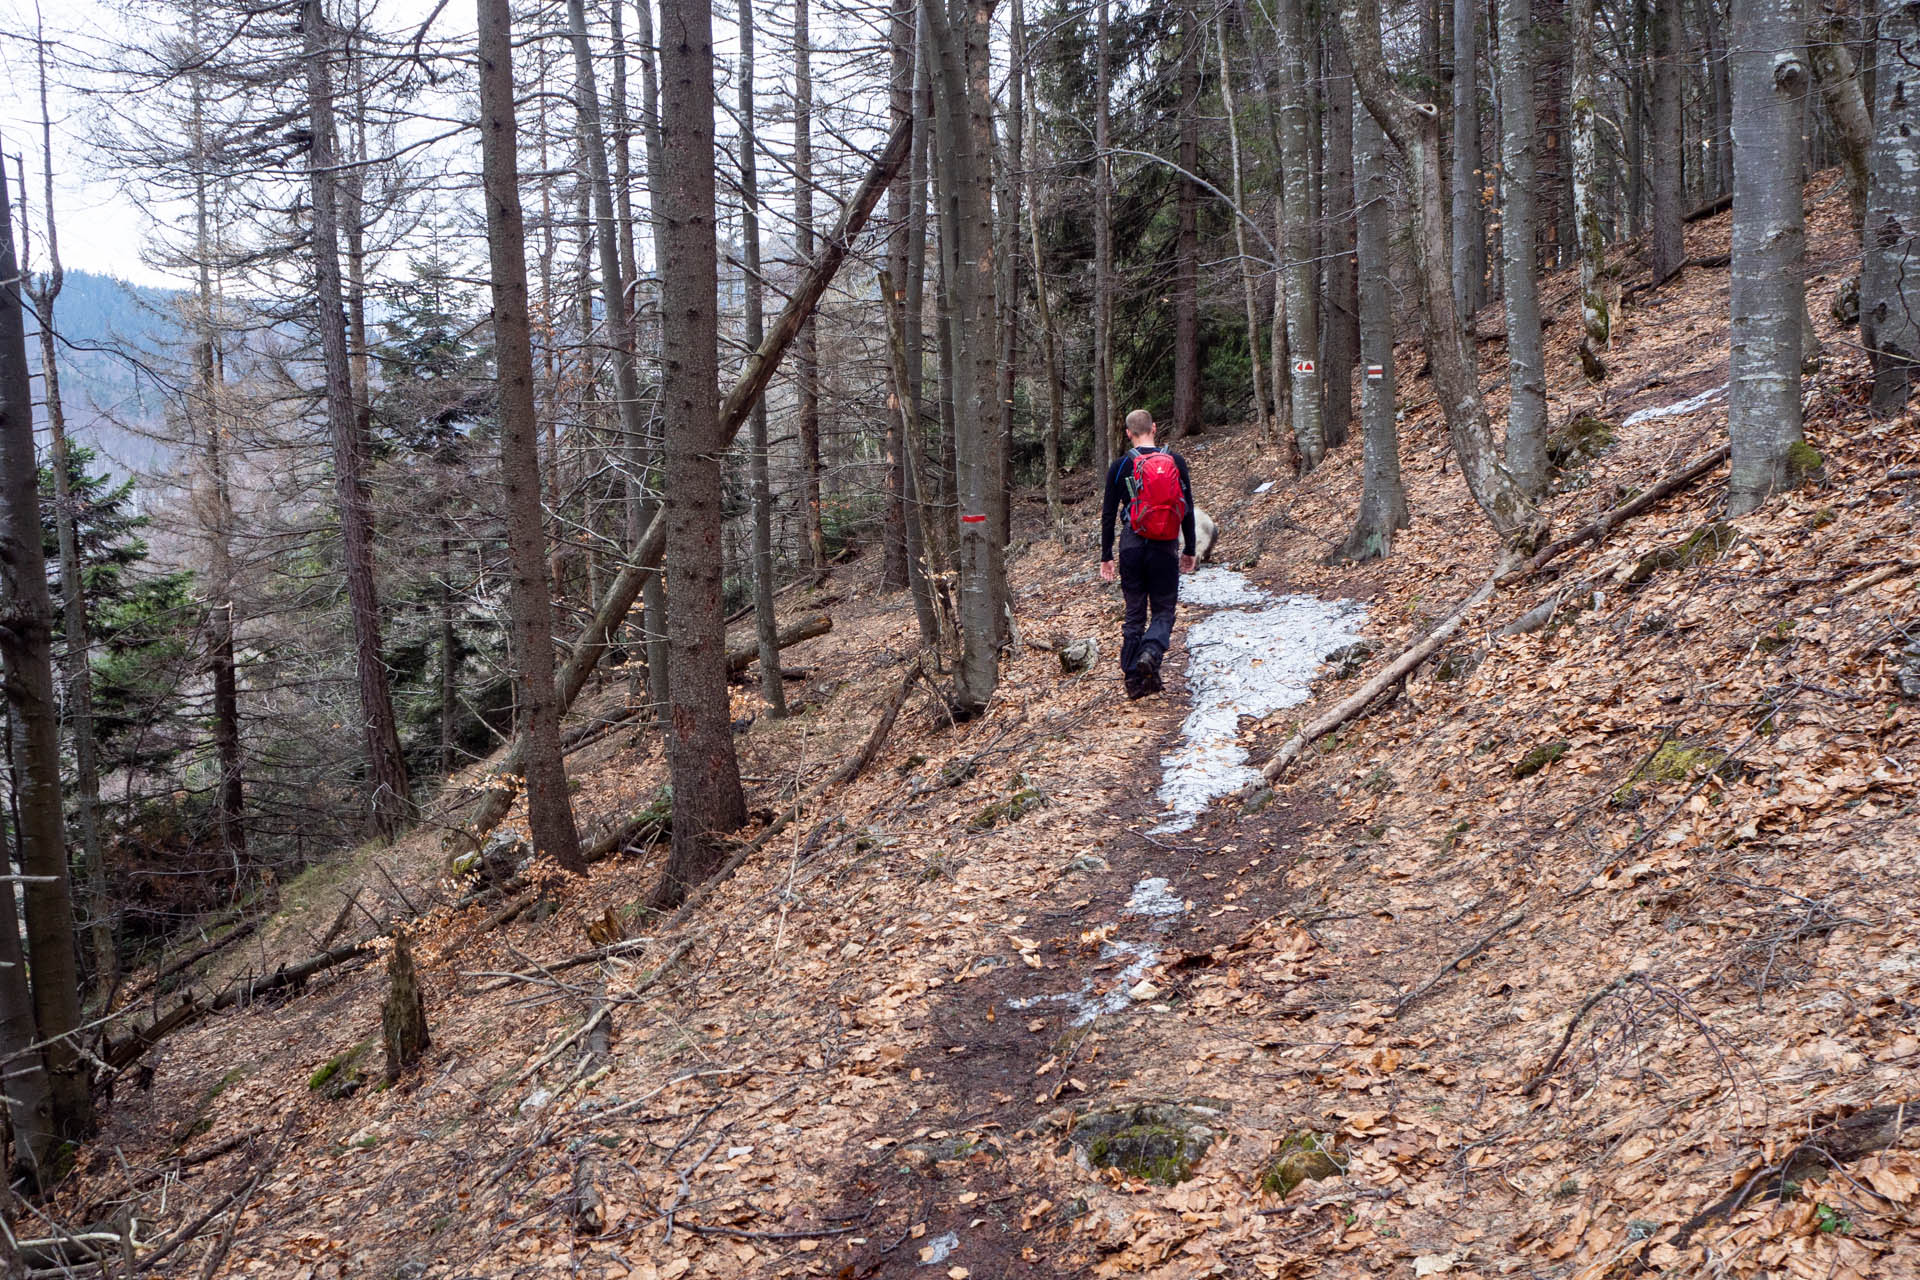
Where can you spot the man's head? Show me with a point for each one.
(1141, 427)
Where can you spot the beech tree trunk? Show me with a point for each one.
(707, 799)
(392, 801)
(1341, 339)
(1301, 273)
(1587, 226)
(1769, 248)
(1469, 234)
(1007, 290)
(1890, 273)
(957, 48)
(1049, 337)
(529, 592)
(26, 659)
(1666, 246)
(1526, 450)
(1415, 130)
(1846, 106)
(1383, 499)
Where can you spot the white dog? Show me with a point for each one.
(1205, 534)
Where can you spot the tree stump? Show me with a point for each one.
(403, 1015)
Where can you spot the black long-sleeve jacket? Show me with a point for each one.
(1118, 497)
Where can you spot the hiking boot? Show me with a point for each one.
(1136, 687)
(1146, 669)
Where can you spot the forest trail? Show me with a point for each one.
(1671, 833)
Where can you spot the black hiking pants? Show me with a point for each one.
(1150, 581)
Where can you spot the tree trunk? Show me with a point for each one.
(1341, 336)
(907, 254)
(806, 355)
(1890, 280)
(23, 1068)
(392, 801)
(1469, 233)
(1846, 106)
(957, 48)
(1666, 245)
(1188, 412)
(217, 512)
(529, 599)
(1383, 499)
(1719, 77)
(1526, 452)
(77, 661)
(1103, 426)
(1248, 283)
(1302, 276)
(1415, 130)
(895, 571)
(644, 506)
(1585, 93)
(644, 556)
(766, 624)
(1049, 338)
(1769, 248)
(1007, 289)
(707, 799)
(26, 660)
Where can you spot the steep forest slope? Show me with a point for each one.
(1592, 952)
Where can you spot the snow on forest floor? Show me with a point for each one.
(1242, 663)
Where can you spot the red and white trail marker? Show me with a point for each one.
(1303, 368)
(1376, 372)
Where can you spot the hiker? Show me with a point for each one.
(1154, 485)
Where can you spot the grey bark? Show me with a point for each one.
(391, 799)
(1007, 287)
(529, 592)
(1415, 130)
(1383, 498)
(1340, 334)
(1584, 91)
(1188, 412)
(1846, 106)
(902, 427)
(1043, 307)
(1666, 46)
(766, 623)
(1526, 451)
(23, 1069)
(957, 36)
(1469, 233)
(26, 668)
(1769, 248)
(1890, 273)
(1301, 275)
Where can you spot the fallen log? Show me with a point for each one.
(816, 624)
(1395, 671)
(1596, 530)
(645, 556)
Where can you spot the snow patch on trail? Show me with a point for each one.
(1242, 662)
(1689, 405)
(1151, 897)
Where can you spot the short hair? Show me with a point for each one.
(1140, 422)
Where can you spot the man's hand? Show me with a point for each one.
(1186, 564)
(1107, 571)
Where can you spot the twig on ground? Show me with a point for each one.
(1481, 944)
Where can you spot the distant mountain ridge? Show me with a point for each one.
(106, 325)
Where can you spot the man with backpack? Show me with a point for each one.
(1154, 485)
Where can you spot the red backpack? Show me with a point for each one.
(1159, 505)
